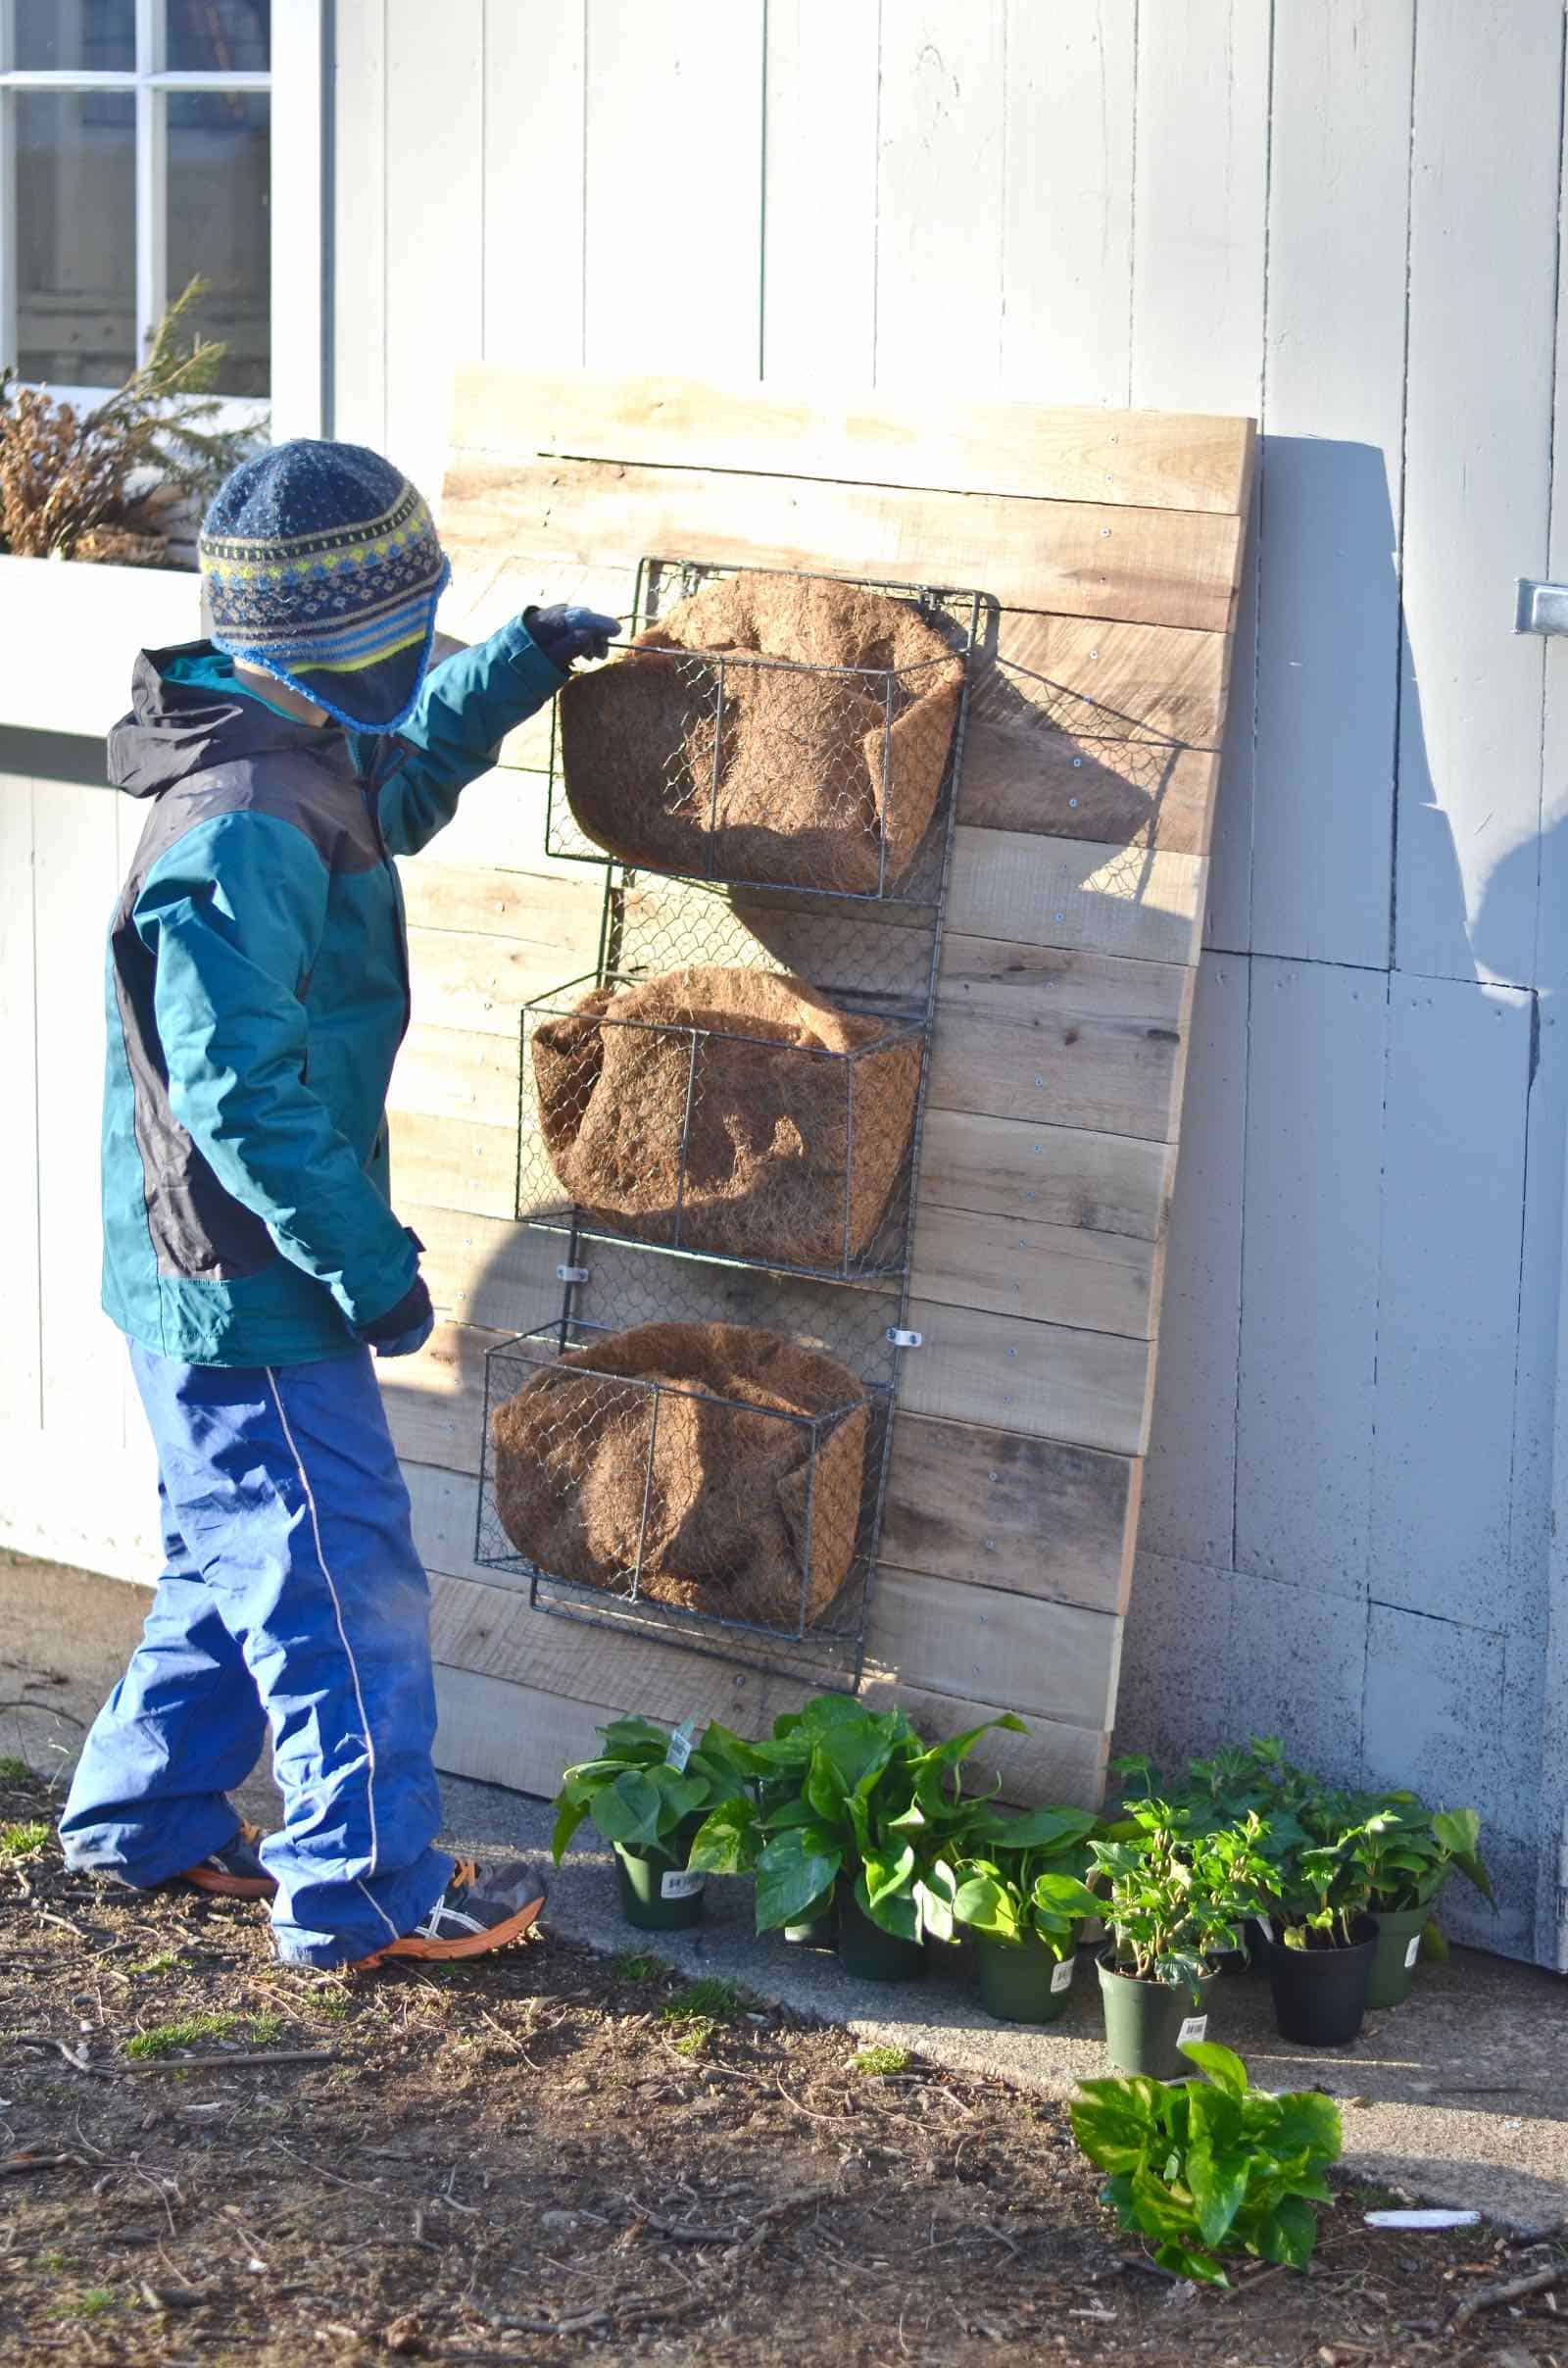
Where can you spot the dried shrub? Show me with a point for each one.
(111, 483)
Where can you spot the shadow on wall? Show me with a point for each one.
(1294, 1641)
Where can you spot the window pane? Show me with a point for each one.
(220, 224)
(218, 36)
(75, 235)
(63, 37)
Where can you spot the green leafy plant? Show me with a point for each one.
(1213, 2167)
(710, 1999)
(165, 2037)
(649, 1793)
(24, 1841)
(880, 2063)
(1176, 1895)
(1320, 1866)
(839, 1790)
(104, 484)
(1024, 1878)
(1410, 1851)
(13, 1770)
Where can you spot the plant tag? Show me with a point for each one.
(1061, 1975)
(681, 1746)
(1413, 1952)
(680, 1883)
(1264, 1927)
(1193, 2028)
(1422, 2219)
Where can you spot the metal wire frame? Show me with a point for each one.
(826, 1085)
(827, 1643)
(676, 1277)
(657, 582)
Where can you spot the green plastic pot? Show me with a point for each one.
(1144, 2021)
(870, 1954)
(656, 1895)
(1393, 1959)
(1021, 1982)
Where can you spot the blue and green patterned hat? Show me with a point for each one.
(320, 564)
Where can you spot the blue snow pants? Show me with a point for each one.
(292, 1601)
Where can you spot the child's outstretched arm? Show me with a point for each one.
(465, 709)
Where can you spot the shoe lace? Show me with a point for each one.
(464, 1875)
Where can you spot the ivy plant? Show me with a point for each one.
(1022, 1879)
(1174, 1893)
(1212, 2167)
(651, 1787)
(839, 1790)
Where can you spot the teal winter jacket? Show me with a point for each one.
(258, 991)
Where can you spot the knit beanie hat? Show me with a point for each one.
(320, 564)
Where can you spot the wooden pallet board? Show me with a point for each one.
(1108, 547)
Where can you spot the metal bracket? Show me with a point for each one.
(900, 1339)
(572, 1274)
(1541, 608)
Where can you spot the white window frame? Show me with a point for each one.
(297, 84)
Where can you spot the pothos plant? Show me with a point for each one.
(1320, 1873)
(1205, 2168)
(652, 1788)
(1022, 1879)
(1175, 1894)
(840, 1791)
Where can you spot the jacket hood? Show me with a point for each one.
(178, 728)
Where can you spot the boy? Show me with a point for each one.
(258, 992)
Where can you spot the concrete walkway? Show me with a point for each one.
(1460, 2096)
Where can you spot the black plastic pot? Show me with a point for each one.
(1021, 1982)
(656, 1895)
(870, 1954)
(1144, 2021)
(818, 1930)
(1393, 1959)
(1320, 1994)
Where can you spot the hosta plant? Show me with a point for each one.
(839, 1790)
(651, 1787)
(1213, 2167)
(1175, 1894)
(1023, 1878)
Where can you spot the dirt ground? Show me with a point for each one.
(207, 2157)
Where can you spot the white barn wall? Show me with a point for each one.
(1341, 216)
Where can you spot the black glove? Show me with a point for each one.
(565, 633)
(404, 1327)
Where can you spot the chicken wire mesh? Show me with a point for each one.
(722, 1111)
(697, 754)
(711, 1485)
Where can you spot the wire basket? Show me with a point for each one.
(626, 1491)
(673, 1111)
(725, 763)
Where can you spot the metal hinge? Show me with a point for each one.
(1541, 608)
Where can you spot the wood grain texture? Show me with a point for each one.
(1096, 1282)
(1081, 1040)
(1091, 1389)
(1045, 1174)
(1148, 566)
(1055, 1660)
(1144, 904)
(985, 1508)
(955, 444)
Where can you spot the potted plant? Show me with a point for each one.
(1174, 1899)
(1411, 1852)
(650, 1794)
(851, 1805)
(1237, 1781)
(1021, 1889)
(1321, 1936)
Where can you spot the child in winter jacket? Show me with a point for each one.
(258, 991)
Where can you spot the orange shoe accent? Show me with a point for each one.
(468, 1944)
(223, 1885)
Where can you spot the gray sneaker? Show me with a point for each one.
(486, 1904)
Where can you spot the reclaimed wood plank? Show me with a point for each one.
(465, 978)
(1064, 1274)
(1053, 1176)
(1146, 567)
(1055, 1660)
(1080, 1039)
(1088, 1387)
(450, 1162)
(963, 444)
(456, 1074)
(1143, 903)
(983, 1508)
